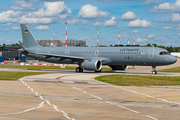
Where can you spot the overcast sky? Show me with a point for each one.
(156, 19)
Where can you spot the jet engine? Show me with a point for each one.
(118, 67)
(95, 65)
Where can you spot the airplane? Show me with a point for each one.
(175, 54)
(92, 58)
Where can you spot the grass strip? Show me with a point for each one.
(128, 80)
(45, 67)
(176, 69)
(9, 75)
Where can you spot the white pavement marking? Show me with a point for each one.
(147, 95)
(110, 102)
(84, 91)
(48, 102)
(151, 117)
(128, 109)
(36, 93)
(32, 90)
(96, 96)
(28, 110)
(41, 97)
(77, 88)
(41, 104)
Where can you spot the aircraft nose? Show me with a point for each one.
(173, 59)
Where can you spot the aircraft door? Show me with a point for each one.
(96, 53)
(67, 52)
(151, 53)
(36, 51)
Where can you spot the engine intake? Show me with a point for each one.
(95, 65)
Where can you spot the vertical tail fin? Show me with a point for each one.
(28, 38)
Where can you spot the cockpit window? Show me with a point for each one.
(164, 53)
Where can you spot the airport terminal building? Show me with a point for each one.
(61, 43)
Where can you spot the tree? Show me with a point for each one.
(149, 45)
(154, 45)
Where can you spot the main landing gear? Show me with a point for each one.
(79, 69)
(154, 70)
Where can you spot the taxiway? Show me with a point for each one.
(77, 96)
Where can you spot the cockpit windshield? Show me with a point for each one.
(164, 53)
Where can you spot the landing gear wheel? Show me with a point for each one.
(154, 72)
(99, 70)
(79, 70)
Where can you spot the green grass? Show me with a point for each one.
(128, 80)
(7, 75)
(176, 69)
(45, 67)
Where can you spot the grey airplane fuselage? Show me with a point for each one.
(92, 58)
(146, 56)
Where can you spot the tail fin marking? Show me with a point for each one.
(28, 38)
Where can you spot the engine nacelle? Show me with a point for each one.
(119, 67)
(95, 65)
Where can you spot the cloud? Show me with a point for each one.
(49, 13)
(128, 16)
(41, 27)
(177, 27)
(152, 2)
(108, 23)
(84, 22)
(92, 12)
(124, 35)
(16, 28)
(166, 34)
(73, 21)
(140, 40)
(178, 34)
(9, 16)
(6, 24)
(166, 7)
(78, 22)
(5, 39)
(150, 36)
(85, 38)
(135, 31)
(167, 27)
(52, 9)
(140, 23)
(22, 5)
(175, 18)
(4, 30)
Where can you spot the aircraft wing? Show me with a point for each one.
(64, 56)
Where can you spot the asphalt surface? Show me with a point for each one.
(77, 96)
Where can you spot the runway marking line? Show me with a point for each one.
(41, 104)
(28, 110)
(151, 117)
(127, 109)
(119, 105)
(147, 95)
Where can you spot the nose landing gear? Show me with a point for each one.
(154, 70)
